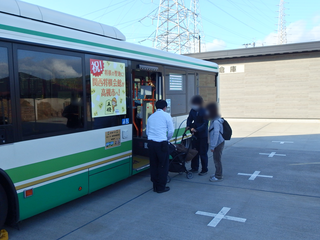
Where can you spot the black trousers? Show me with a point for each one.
(159, 163)
(201, 144)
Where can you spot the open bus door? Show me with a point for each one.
(146, 90)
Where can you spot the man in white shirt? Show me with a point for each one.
(159, 130)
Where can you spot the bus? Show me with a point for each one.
(74, 102)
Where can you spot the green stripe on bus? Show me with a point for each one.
(67, 189)
(74, 40)
(57, 164)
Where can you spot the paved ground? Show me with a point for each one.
(286, 206)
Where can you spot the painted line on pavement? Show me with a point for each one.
(254, 175)
(282, 142)
(309, 163)
(221, 215)
(272, 154)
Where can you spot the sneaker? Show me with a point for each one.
(193, 170)
(203, 173)
(214, 179)
(213, 175)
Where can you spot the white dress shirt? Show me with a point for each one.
(160, 126)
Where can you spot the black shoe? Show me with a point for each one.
(193, 170)
(165, 190)
(203, 173)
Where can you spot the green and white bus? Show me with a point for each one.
(74, 102)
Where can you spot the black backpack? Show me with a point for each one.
(227, 130)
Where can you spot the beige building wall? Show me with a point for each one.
(278, 86)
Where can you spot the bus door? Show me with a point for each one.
(6, 96)
(146, 90)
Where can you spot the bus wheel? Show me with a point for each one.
(3, 207)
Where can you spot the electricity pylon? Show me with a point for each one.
(172, 28)
(197, 38)
(282, 31)
(172, 33)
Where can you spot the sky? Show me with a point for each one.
(227, 24)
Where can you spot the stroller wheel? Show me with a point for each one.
(189, 175)
(168, 179)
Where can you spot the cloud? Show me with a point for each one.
(51, 68)
(215, 45)
(316, 19)
(296, 32)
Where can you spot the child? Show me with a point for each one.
(216, 141)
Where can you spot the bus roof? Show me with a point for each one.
(31, 11)
(31, 23)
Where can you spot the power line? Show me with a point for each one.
(126, 12)
(262, 12)
(101, 9)
(235, 17)
(113, 9)
(247, 13)
(225, 28)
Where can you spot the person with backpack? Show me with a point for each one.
(218, 129)
(197, 123)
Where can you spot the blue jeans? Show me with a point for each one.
(201, 145)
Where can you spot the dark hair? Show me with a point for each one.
(213, 110)
(197, 100)
(161, 104)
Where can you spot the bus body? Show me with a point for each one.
(74, 103)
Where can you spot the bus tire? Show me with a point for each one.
(3, 207)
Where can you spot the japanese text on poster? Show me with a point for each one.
(108, 88)
(113, 139)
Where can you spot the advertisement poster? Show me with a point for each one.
(113, 139)
(108, 88)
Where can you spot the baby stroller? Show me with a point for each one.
(180, 155)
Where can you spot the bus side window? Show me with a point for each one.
(51, 93)
(5, 96)
(176, 91)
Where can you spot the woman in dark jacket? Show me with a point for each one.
(198, 125)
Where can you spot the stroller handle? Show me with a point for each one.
(185, 134)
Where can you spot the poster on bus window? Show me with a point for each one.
(108, 88)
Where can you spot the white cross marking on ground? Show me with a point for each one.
(282, 142)
(273, 154)
(221, 215)
(254, 175)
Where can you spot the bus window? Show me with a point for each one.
(176, 91)
(5, 97)
(51, 93)
(207, 87)
(108, 99)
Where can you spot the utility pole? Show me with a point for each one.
(282, 31)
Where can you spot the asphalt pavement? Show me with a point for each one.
(270, 190)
